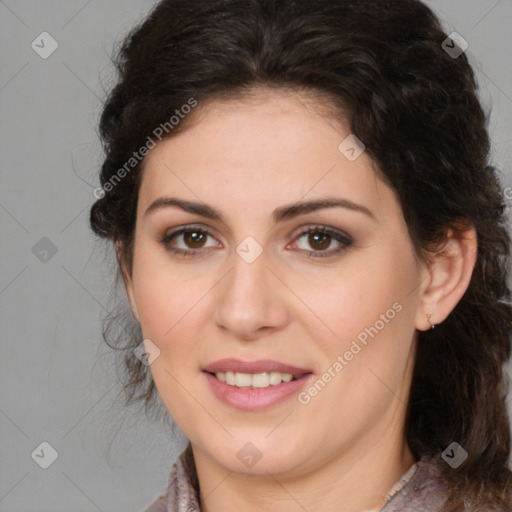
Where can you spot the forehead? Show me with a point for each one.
(269, 149)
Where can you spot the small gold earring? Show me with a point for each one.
(431, 324)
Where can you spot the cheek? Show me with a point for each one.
(162, 296)
(169, 314)
(169, 311)
(362, 298)
(372, 313)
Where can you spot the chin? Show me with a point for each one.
(259, 456)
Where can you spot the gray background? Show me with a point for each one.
(57, 381)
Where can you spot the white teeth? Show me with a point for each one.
(275, 378)
(242, 380)
(261, 380)
(256, 380)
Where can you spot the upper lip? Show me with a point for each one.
(264, 365)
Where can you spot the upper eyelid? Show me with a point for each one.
(320, 227)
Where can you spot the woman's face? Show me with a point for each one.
(339, 304)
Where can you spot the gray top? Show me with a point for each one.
(419, 488)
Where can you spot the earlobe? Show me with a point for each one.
(447, 278)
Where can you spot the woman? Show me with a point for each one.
(315, 247)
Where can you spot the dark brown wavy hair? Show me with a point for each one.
(382, 67)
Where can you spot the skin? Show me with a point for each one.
(344, 449)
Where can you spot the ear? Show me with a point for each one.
(127, 279)
(446, 277)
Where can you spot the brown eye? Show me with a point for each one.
(319, 241)
(194, 239)
(189, 241)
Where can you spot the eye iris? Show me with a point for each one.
(319, 241)
(194, 239)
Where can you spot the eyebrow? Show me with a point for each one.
(279, 214)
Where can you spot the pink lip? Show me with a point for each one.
(267, 365)
(255, 399)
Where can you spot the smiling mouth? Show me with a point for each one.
(259, 380)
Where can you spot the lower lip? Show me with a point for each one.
(255, 399)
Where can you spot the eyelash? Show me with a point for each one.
(344, 240)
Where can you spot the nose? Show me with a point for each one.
(250, 300)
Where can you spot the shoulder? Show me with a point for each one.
(421, 488)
